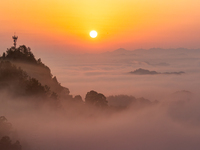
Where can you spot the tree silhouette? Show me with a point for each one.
(5, 126)
(96, 99)
(9, 71)
(6, 144)
(5, 130)
(21, 53)
(78, 99)
(34, 87)
(21, 83)
(4, 55)
(54, 96)
(16, 146)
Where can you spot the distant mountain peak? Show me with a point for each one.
(121, 51)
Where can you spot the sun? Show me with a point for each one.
(93, 34)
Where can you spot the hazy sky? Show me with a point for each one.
(53, 27)
(65, 25)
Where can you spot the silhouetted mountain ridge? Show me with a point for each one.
(23, 57)
(122, 51)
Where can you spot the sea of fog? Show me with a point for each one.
(108, 73)
(171, 124)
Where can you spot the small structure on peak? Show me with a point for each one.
(15, 40)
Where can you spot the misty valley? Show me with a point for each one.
(124, 100)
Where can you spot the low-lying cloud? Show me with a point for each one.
(170, 124)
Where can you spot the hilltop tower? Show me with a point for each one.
(15, 40)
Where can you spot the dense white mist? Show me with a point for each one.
(108, 72)
(171, 124)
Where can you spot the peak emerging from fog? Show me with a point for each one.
(141, 71)
(28, 74)
(121, 50)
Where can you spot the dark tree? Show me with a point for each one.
(78, 99)
(96, 99)
(9, 72)
(54, 96)
(16, 146)
(6, 144)
(11, 76)
(4, 55)
(54, 101)
(39, 61)
(21, 53)
(34, 87)
(5, 126)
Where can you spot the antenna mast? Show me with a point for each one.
(15, 40)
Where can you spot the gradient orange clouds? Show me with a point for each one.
(129, 24)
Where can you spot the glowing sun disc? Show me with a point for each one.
(93, 34)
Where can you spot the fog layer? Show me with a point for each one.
(108, 73)
(173, 124)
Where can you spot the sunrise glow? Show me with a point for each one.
(99, 74)
(149, 24)
(93, 34)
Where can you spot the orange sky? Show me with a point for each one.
(129, 24)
